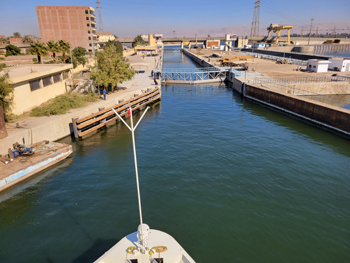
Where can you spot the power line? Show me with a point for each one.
(256, 20)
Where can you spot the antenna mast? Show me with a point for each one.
(100, 24)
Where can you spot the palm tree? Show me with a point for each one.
(38, 49)
(53, 47)
(65, 49)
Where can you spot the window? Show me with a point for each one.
(88, 24)
(88, 31)
(90, 50)
(87, 12)
(65, 74)
(47, 81)
(314, 66)
(89, 38)
(57, 78)
(35, 84)
(87, 18)
(90, 45)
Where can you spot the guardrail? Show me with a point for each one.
(191, 70)
(325, 98)
(304, 79)
(276, 58)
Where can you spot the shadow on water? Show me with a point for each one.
(317, 133)
(99, 247)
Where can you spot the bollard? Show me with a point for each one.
(75, 128)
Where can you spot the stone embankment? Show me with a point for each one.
(197, 58)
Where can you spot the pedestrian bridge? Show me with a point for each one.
(196, 75)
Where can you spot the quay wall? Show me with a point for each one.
(323, 114)
(198, 59)
(286, 54)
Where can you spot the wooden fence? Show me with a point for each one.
(95, 121)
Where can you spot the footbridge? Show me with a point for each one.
(196, 75)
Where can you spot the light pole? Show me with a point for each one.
(308, 42)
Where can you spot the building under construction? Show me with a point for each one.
(74, 24)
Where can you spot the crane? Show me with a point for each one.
(277, 28)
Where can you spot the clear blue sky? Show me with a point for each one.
(133, 17)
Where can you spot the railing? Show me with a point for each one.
(325, 98)
(236, 72)
(277, 58)
(191, 70)
(304, 79)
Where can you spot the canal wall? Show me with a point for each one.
(284, 54)
(197, 59)
(334, 118)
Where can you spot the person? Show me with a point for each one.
(104, 93)
(152, 73)
(155, 78)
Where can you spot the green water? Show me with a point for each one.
(230, 180)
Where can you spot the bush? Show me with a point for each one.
(62, 103)
(35, 60)
(8, 54)
(13, 50)
(1, 58)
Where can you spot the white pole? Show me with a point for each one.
(132, 129)
(137, 177)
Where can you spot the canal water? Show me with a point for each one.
(230, 180)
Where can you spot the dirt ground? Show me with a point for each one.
(267, 67)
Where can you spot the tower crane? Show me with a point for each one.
(277, 28)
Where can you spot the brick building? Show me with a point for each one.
(74, 24)
(16, 41)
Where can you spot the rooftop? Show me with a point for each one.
(25, 72)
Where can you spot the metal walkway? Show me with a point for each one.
(195, 75)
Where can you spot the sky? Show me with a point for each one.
(178, 18)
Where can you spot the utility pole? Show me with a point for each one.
(301, 34)
(334, 32)
(100, 24)
(308, 42)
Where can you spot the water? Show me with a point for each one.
(230, 180)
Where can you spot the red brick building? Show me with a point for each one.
(74, 24)
(16, 41)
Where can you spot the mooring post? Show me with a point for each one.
(75, 127)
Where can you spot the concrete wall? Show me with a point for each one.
(128, 52)
(326, 115)
(197, 59)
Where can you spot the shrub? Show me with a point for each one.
(35, 60)
(1, 58)
(62, 103)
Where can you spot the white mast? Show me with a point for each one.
(132, 129)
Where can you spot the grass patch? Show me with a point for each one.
(62, 103)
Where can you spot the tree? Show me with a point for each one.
(79, 54)
(53, 47)
(6, 92)
(38, 49)
(138, 41)
(27, 39)
(116, 45)
(4, 40)
(111, 69)
(12, 50)
(16, 34)
(65, 49)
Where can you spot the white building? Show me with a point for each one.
(339, 64)
(317, 65)
(105, 36)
